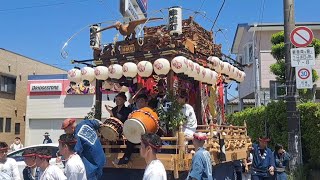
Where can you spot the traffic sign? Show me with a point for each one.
(301, 36)
(303, 57)
(304, 78)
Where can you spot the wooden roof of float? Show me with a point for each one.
(195, 43)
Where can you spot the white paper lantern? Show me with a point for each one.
(215, 61)
(224, 68)
(115, 71)
(194, 71)
(199, 73)
(209, 63)
(241, 76)
(161, 66)
(116, 87)
(101, 72)
(179, 64)
(234, 73)
(74, 75)
(213, 77)
(130, 69)
(145, 68)
(206, 75)
(190, 68)
(124, 89)
(230, 69)
(107, 85)
(87, 73)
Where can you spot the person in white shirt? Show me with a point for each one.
(190, 126)
(31, 171)
(74, 167)
(8, 166)
(47, 171)
(150, 145)
(16, 145)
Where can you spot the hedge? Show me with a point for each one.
(275, 116)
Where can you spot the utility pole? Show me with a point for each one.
(256, 68)
(294, 136)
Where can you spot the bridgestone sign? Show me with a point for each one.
(46, 87)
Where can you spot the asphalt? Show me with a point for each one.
(132, 174)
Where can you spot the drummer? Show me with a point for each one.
(120, 112)
(156, 99)
(141, 101)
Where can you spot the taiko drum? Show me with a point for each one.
(139, 122)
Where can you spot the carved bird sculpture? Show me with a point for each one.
(128, 29)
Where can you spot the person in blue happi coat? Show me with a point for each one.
(88, 145)
(281, 158)
(263, 161)
(201, 167)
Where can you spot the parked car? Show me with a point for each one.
(17, 155)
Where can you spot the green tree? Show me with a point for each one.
(278, 68)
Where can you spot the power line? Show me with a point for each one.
(196, 12)
(260, 21)
(218, 15)
(40, 6)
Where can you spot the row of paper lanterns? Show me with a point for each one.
(161, 66)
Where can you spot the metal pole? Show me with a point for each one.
(226, 98)
(294, 136)
(97, 113)
(258, 81)
(98, 93)
(256, 67)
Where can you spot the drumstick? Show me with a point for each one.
(137, 93)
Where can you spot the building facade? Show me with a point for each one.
(252, 46)
(51, 99)
(14, 72)
(233, 105)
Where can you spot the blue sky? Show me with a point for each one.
(38, 29)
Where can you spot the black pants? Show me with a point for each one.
(238, 175)
(130, 149)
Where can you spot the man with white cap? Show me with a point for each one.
(88, 146)
(46, 138)
(201, 168)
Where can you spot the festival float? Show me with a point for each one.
(183, 55)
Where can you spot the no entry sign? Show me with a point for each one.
(301, 36)
(304, 77)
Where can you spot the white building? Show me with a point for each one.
(49, 102)
(254, 42)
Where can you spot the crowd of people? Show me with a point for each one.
(264, 163)
(84, 158)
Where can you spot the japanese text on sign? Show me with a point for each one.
(302, 57)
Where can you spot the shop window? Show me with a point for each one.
(1, 125)
(17, 128)
(7, 84)
(8, 125)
